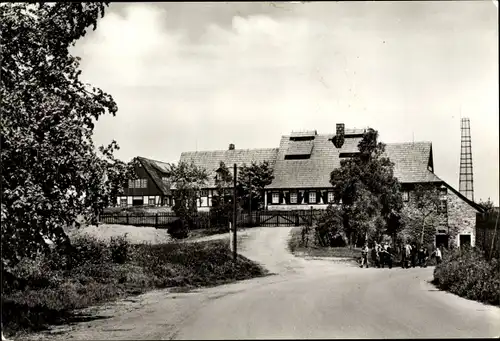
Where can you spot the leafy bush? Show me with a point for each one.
(90, 249)
(469, 274)
(329, 228)
(119, 247)
(178, 229)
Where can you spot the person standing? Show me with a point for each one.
(426, 256)
(382, 255)
(414, 252)
(364, 255)
(389, 254)
(406, 255)
(438, 255)
(421, 256)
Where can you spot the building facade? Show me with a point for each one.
(151, 188)
(210, 161)
(302, 166)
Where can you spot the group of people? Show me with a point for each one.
(411, 255)
(381, 255)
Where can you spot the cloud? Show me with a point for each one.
(188, 77)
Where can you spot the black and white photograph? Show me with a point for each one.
(249, 170)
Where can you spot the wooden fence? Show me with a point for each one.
(487, 238)
(209, 219)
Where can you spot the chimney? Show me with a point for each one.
(340, 129)
(338, 139)
(231, 146)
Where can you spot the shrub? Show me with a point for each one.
(469, 274)
(119, 247)
(329, 227)
(178, 229)
(89, 249)
(48, 295)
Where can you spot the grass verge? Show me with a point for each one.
(46, 292)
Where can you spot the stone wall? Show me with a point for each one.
(461, 219)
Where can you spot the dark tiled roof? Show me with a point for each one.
(153, 167)
(300, 147)
(411, 160)
(210, 160)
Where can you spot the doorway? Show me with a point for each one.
(465, 240)
(138, 201)
(442, 240)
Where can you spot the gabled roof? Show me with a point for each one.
(474, 205)
(411, 162)
(210, 160)
(152, 167)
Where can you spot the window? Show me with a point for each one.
(293, 197)
(443, 206)
(144, 183)
(164, 179)
(123, 202)
(312, 197)
(131, 184)
(151, 201)
(276, 198)
(137, 183)
(406, 196)
(203, 193)
(330, 197)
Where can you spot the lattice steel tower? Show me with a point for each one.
(466, 183)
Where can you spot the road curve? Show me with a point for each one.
(305, 299)
(322, 299)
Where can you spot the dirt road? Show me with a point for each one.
(305, 299)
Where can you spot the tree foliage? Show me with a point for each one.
(367, 191)
(421, 216)
(51, 171)
(253, 179)
(187, 179)
(223, 182)
(488, 205)
(329, 230)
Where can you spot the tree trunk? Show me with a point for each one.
(423, 230)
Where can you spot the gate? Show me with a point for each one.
(285, 218)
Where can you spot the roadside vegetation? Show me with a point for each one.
(302, 243)
(48, 289)
(468, 273)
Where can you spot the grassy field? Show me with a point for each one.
(49, 291)
(298, 248)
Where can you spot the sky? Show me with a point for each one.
(199, 76)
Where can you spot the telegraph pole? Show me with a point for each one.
(234, 214)
(250, 204)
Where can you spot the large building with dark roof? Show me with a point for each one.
(304, 161)
(302, 165)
